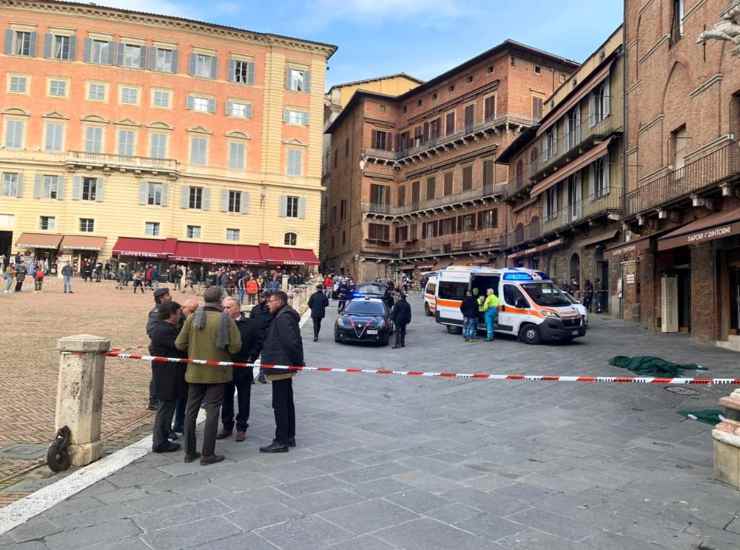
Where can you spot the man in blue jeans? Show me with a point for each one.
(469, 310)
(490, 309)
(67, 276)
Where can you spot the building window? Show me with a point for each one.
(47, 223)
(435, 129)
(201, 104)
(232, 234)
(599, 104)
(298, 80)
(380, 195)
(61, 47)
(551, 144)
(154, 194)
(378, 232)
(203, 65)
(54, 137)
(58, 88)
(14, 133)
(551, 202)
(237, 155)
(10, 184)
(93, 139)
(488, 219)
(402, 196)
(158, 146)
(537, 105)
(297, 118)
(469, 117)
(291, 206)
(89, 189)
(677, 20)
(161, 98)
(573, 127)
(164, 60)
(489, 108)
(96, 92)
(51, 187)
(126, 143)
(24, 43)
(242, 72)
(17, 84)
(290, 239)
(193, 232)
(101, 52)
(195, 200)
(151, 229)
(450, 123)
(467, 177)
(133, 56)
(198, 151)
(488, 176)
(87, 225)
(537, 69)
(234, 202)
(129, 96)
(295, 162)
(380, 140)
(431, 187)
(343, 209)
(240, 109)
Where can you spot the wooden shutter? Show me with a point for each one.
(606, 174)
(76, 187)
(189, 102)
(228, 107)
(143, 192)
(19, 189)
(287, 78)
(8, 42)
(150, 56)
(283, 206)
(211, 105)
(307, 81)
(214, 68)
(165, 194)
(87, 53)
(286, 118)
(224, 200)
(115, 54)
(191, 65)
(250, 73)
(206, 202)
(301, 207)
(48, 38)
(175, 62)
(248, 110)
(99, 190)
(61, 183)
(231, 77)
(184, 196)
(606, 101)
(37, 182)
(244, 203)
(73, 48)
(32, 45)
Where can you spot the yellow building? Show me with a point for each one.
(131, 134)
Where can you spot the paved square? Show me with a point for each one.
(398, 462)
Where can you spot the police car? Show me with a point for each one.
(364, 320)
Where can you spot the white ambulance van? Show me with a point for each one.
(430, 295)
(531, 306)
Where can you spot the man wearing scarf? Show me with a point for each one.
(212, 335)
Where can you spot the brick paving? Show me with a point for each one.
(32, 323)
(409, 463)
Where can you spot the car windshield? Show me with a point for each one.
(371, 289)
(359, 307)
(546, 294)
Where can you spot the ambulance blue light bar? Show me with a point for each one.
(517, 277)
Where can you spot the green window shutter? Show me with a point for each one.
(189, 102)
(232, 70)
(8, 42)
(211, 105)
(73, 48)
(37, 182)
(99, 190)
(214, 68)
(87, 54)
(307, 81)
(48, 37)
(175, 62)
(287, 78)
(32, 47)
(250, 73)
(191, 65)
(143, 192)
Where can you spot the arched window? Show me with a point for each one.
(290, 239)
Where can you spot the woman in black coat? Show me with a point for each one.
(169, 378)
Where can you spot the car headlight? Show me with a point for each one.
(341, 322)
(551, 314)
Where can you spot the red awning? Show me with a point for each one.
(39, 240)
(83, 242)
(210, 253)
(288, 256)
(714, 226)
(146, 248)
(249, 255)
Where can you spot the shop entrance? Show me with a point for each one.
(735, 300)
(6, 240)
(684, 299)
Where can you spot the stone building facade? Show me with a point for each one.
(415, 183)
(682, 213)
(116, 124)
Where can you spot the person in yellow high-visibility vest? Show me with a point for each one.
(490, 310)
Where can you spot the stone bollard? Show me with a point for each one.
(80, 394)
(726, 437)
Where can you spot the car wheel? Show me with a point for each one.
(337, 339)
(427, 311)
(451, 329)
(530, 334)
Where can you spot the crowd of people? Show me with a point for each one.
(15, 273)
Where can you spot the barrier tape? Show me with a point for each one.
(446, 375)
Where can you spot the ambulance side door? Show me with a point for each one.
(513, 309)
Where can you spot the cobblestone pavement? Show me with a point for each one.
(32, 323)
(428, 464)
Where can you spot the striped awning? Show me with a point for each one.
(39, 240)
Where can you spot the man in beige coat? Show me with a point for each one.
(207, 334)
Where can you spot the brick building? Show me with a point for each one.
(127, 133)
(414, 182)
(565, 189)
(682, 213)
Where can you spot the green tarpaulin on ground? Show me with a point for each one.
(708, 416)
(646, 365)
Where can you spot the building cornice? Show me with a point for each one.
(187, 25)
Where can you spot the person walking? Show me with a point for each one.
(208, 334)
(401, 316)
(20, 276)
(469, 310)
(38, 279)
(588, 294)
(490, 310)
(243, 376)
(67, 277)
(168, 378)
(283, 346)
(139, 281)
(318, 302)
(328, 286)
(9, 277)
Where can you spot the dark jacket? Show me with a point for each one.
(388, 299)
(318, 302)
(469, 307)
(252, 337)
(401, 313)
(283, 343)
(169, 378)
(152, 320)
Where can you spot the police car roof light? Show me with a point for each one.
(517, 277)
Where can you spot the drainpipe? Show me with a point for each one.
(625, 112)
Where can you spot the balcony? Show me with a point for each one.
(442, 144)
(138, 165)
(712, 169)
(583, 211)
(466, 243)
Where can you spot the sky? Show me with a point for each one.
(422, 38)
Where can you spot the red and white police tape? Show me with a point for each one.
(447, 375)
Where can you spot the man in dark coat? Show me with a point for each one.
(261, 314)
(168, 378)
(469, 310)
(283, 346)
(318, 302)
(161, 296)
(388, 298)
(243, 377)
(401, 316)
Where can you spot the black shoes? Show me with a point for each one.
(168, 448)
(223, 434)
(211, 459)
(291, 442)
(275, 447)
(192, 458)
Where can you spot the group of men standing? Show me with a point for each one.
(476, 308)
(218, 330)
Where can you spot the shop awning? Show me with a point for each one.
(536, 249)
(82, 242)
(600, 238)
(278, 255)
(709, 228)
(572, 167)
(38, 240)
(301, 256)
(144, 248)
(210, 253)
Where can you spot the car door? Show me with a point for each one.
(513, 309)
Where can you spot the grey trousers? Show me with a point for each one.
(162, 423)
(210, 396)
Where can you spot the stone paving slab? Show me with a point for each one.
(390, 463)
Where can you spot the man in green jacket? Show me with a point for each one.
(212, 335)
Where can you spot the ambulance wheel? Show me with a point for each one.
(451, 329)
(530, 334)
(427, 311)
